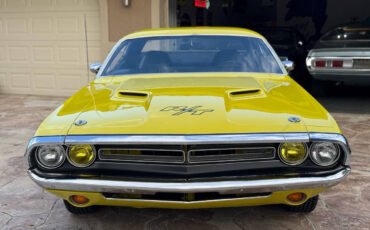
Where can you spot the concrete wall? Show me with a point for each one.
(118, 20)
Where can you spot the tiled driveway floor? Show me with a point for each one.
(23, 205)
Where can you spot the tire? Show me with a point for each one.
(307, 206)
(79, 211)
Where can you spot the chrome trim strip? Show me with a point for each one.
(187, 202)
(335, 137)
(154, 159)
(193, 139)
(45, 140)
(223, 187)
(232, 157)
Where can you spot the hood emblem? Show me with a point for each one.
(80, 122)
(178, 110)
(294, 119)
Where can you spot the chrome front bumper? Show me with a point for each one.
(222, 187)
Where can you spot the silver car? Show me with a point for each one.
(342, 55)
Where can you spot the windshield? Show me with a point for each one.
(196, 53)
(348, 34)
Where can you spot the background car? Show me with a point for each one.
(341, 56)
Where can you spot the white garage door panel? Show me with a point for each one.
(43, 47)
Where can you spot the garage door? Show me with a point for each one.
(43, 45)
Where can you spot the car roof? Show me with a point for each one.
(353, 26)
(194, 30)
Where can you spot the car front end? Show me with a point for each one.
(153, 132)
(190, 171)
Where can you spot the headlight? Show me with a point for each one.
(81, 155)
(324, 153)
(293, 153)
(50, 156)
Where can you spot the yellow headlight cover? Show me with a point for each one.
(293, 153)
(81, 155)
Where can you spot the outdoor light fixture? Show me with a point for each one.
(126, 3)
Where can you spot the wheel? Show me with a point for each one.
(307, 206)
(77, 210)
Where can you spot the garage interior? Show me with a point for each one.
(295, 24)
(311, 18)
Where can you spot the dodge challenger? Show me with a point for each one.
(189, 118)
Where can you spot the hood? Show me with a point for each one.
(191, 104)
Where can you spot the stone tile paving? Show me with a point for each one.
(23, 205)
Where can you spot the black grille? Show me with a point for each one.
(142, 155)
(186, 154)
(184, 197)
(231, 154)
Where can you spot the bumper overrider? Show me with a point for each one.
(231, 191)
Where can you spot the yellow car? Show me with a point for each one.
(189, 118)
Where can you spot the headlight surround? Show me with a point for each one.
(81, 155)
(324, 153)
(293, 153)
(50, 156)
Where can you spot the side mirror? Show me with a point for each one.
(95, 67)
(288, 65)
(283, 58)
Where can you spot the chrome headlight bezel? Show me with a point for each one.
(326, 164)
(42, 164)
(293, 163)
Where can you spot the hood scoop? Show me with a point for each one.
(243, 94)
(134, 97)
(133, 94)
(238, 97)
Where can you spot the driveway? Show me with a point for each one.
(23, 205)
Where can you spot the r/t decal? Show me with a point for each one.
(178, 110)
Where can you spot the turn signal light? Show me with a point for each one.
(77, 199)
(296, 197)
